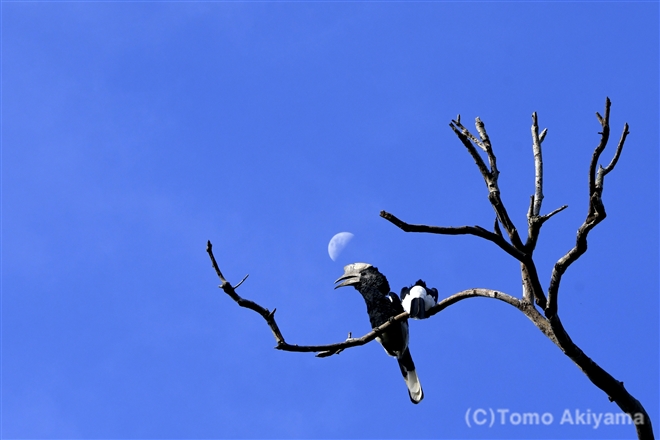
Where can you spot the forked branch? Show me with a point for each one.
(596, 211)
(534, 218)
(490, 176)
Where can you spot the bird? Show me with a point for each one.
(418, 299)
(381, 306)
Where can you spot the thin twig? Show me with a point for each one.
(546, 217)
(602, 172)
(467, 133)
(241, 281)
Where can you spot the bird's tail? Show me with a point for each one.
(410, 376)
(418, 308)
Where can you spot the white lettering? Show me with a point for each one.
(502, 414)
(530, 418)
(597, 418)
(623, 419)
(476, 420)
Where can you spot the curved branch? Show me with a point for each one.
(457, 230)
(331, 349)
(336, 348)
(269, 317)
(596, 212)
(471, 293)
(229, 290)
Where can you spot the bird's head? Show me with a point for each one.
(420, 283)
(363, 276)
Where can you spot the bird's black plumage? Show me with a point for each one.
(381, 306)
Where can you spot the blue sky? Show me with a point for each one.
(133, 132)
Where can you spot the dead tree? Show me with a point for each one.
(539, 306)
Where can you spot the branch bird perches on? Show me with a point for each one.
(546, 317)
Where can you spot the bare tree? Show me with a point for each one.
(540, 308)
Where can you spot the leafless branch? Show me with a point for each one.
(533, 223)
(241, 281)
(543, 218)
(467, 133)
(490, 176)
(538, 166)
(602, 172)
(604, 137)
(596, 212)
(465, 138)
(336, 348)
(457, 230)
(229, 290)
(485, 140)
(269, 317)
(331, 349)
(614, 389)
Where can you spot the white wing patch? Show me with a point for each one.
(416, 292)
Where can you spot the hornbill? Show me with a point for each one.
(381, 306)
(418, 298)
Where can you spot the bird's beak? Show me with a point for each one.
(352, 273)
(348, 280)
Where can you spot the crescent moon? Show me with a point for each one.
(338, 243)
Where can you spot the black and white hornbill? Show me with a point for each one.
(381, 306)
(418, 299)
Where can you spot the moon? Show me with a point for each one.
(338, 243)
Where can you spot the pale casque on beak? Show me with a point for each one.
(352, 273)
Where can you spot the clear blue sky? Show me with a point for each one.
(133, 132)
